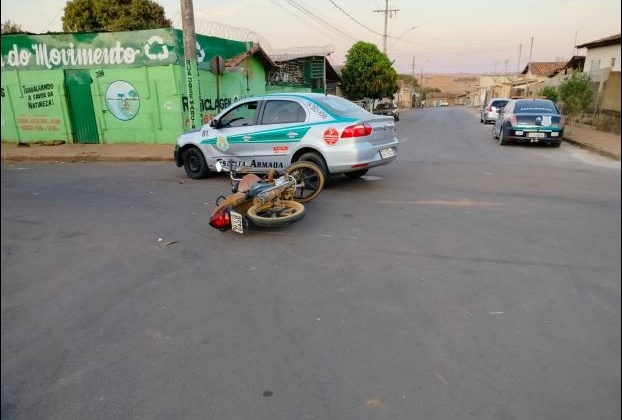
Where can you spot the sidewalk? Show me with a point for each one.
(605, 144)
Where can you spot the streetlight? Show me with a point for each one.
(400, 37)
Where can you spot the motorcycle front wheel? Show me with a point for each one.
(289, 211)
(309, 180)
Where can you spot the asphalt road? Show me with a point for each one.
(466, 281)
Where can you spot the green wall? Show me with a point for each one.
(137, 85)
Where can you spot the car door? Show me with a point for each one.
(281, 128)
(231, 135)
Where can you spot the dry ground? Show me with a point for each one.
(451, 83)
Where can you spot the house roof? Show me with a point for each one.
(544, 68)
(256, 51)
(610, 40)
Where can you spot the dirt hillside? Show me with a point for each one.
(451, 83)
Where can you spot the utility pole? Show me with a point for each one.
(195, 119)
(413, 81)
(386, 12)
(520, 47)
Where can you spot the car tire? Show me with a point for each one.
(494, 135)
(318, 160)
(195, 164)
(556, 143)
(502, 139)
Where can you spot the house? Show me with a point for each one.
(602, 63)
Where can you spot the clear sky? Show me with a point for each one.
(449, 36)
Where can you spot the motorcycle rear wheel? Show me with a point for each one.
(309, 180)
(290, 211)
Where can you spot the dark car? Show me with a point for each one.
(387, 109)
(529, 121)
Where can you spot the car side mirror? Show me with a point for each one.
(214, 123)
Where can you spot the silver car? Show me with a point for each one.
(490, 111)
(276, 130)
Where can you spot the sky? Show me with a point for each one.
(422, 36)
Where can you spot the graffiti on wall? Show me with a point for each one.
(39, 96)
(38, 123)
(122, 100)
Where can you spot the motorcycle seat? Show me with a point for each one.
(247, 182)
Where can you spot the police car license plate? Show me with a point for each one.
(237, 222)
(387, 153)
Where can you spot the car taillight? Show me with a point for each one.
(489, 109)
(220, 219)
(358, 130)
(513, 120)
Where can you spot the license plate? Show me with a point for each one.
(387, 153)
(537, 135)
(237, 222)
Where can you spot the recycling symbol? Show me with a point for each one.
(156, 49)
(200, 52)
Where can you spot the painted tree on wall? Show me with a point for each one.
(113, 15)
(368, 73)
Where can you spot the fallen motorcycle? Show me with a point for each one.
(273, 200)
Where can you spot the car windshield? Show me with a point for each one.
(536, 106)
(341, 107)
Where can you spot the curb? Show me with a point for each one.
(85, 159)
(591, 148)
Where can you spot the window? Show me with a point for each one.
(282, 112)
(245, 114)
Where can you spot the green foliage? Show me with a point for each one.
(113, 15)
(550, 92)
(9, 27)
(576, 94)
(368, 73)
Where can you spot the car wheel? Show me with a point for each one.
(356, 174)
(556, 143)
(195, 164)
(318, 160)
(502, 139)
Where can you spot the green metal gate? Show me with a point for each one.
(82, 113)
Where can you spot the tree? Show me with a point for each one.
(9, 27)
(576, 94)
(368, 73)
(550, 92)
(113, 15)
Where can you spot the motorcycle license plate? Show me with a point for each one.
(237, 222)
(387, 153)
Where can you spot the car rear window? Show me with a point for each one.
(536, 106)
(499, 104)
(341, 107)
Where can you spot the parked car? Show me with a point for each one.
(387, 109)
(529, 121)
(275, 130)
(444, 103)
(489, 111)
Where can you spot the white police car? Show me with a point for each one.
(275, 130)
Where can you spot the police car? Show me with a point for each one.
(276, 130)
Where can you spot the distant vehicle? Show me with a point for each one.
(529, 121)
(275, 130)
(444, 103)
(489, 111)
(387, 109)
